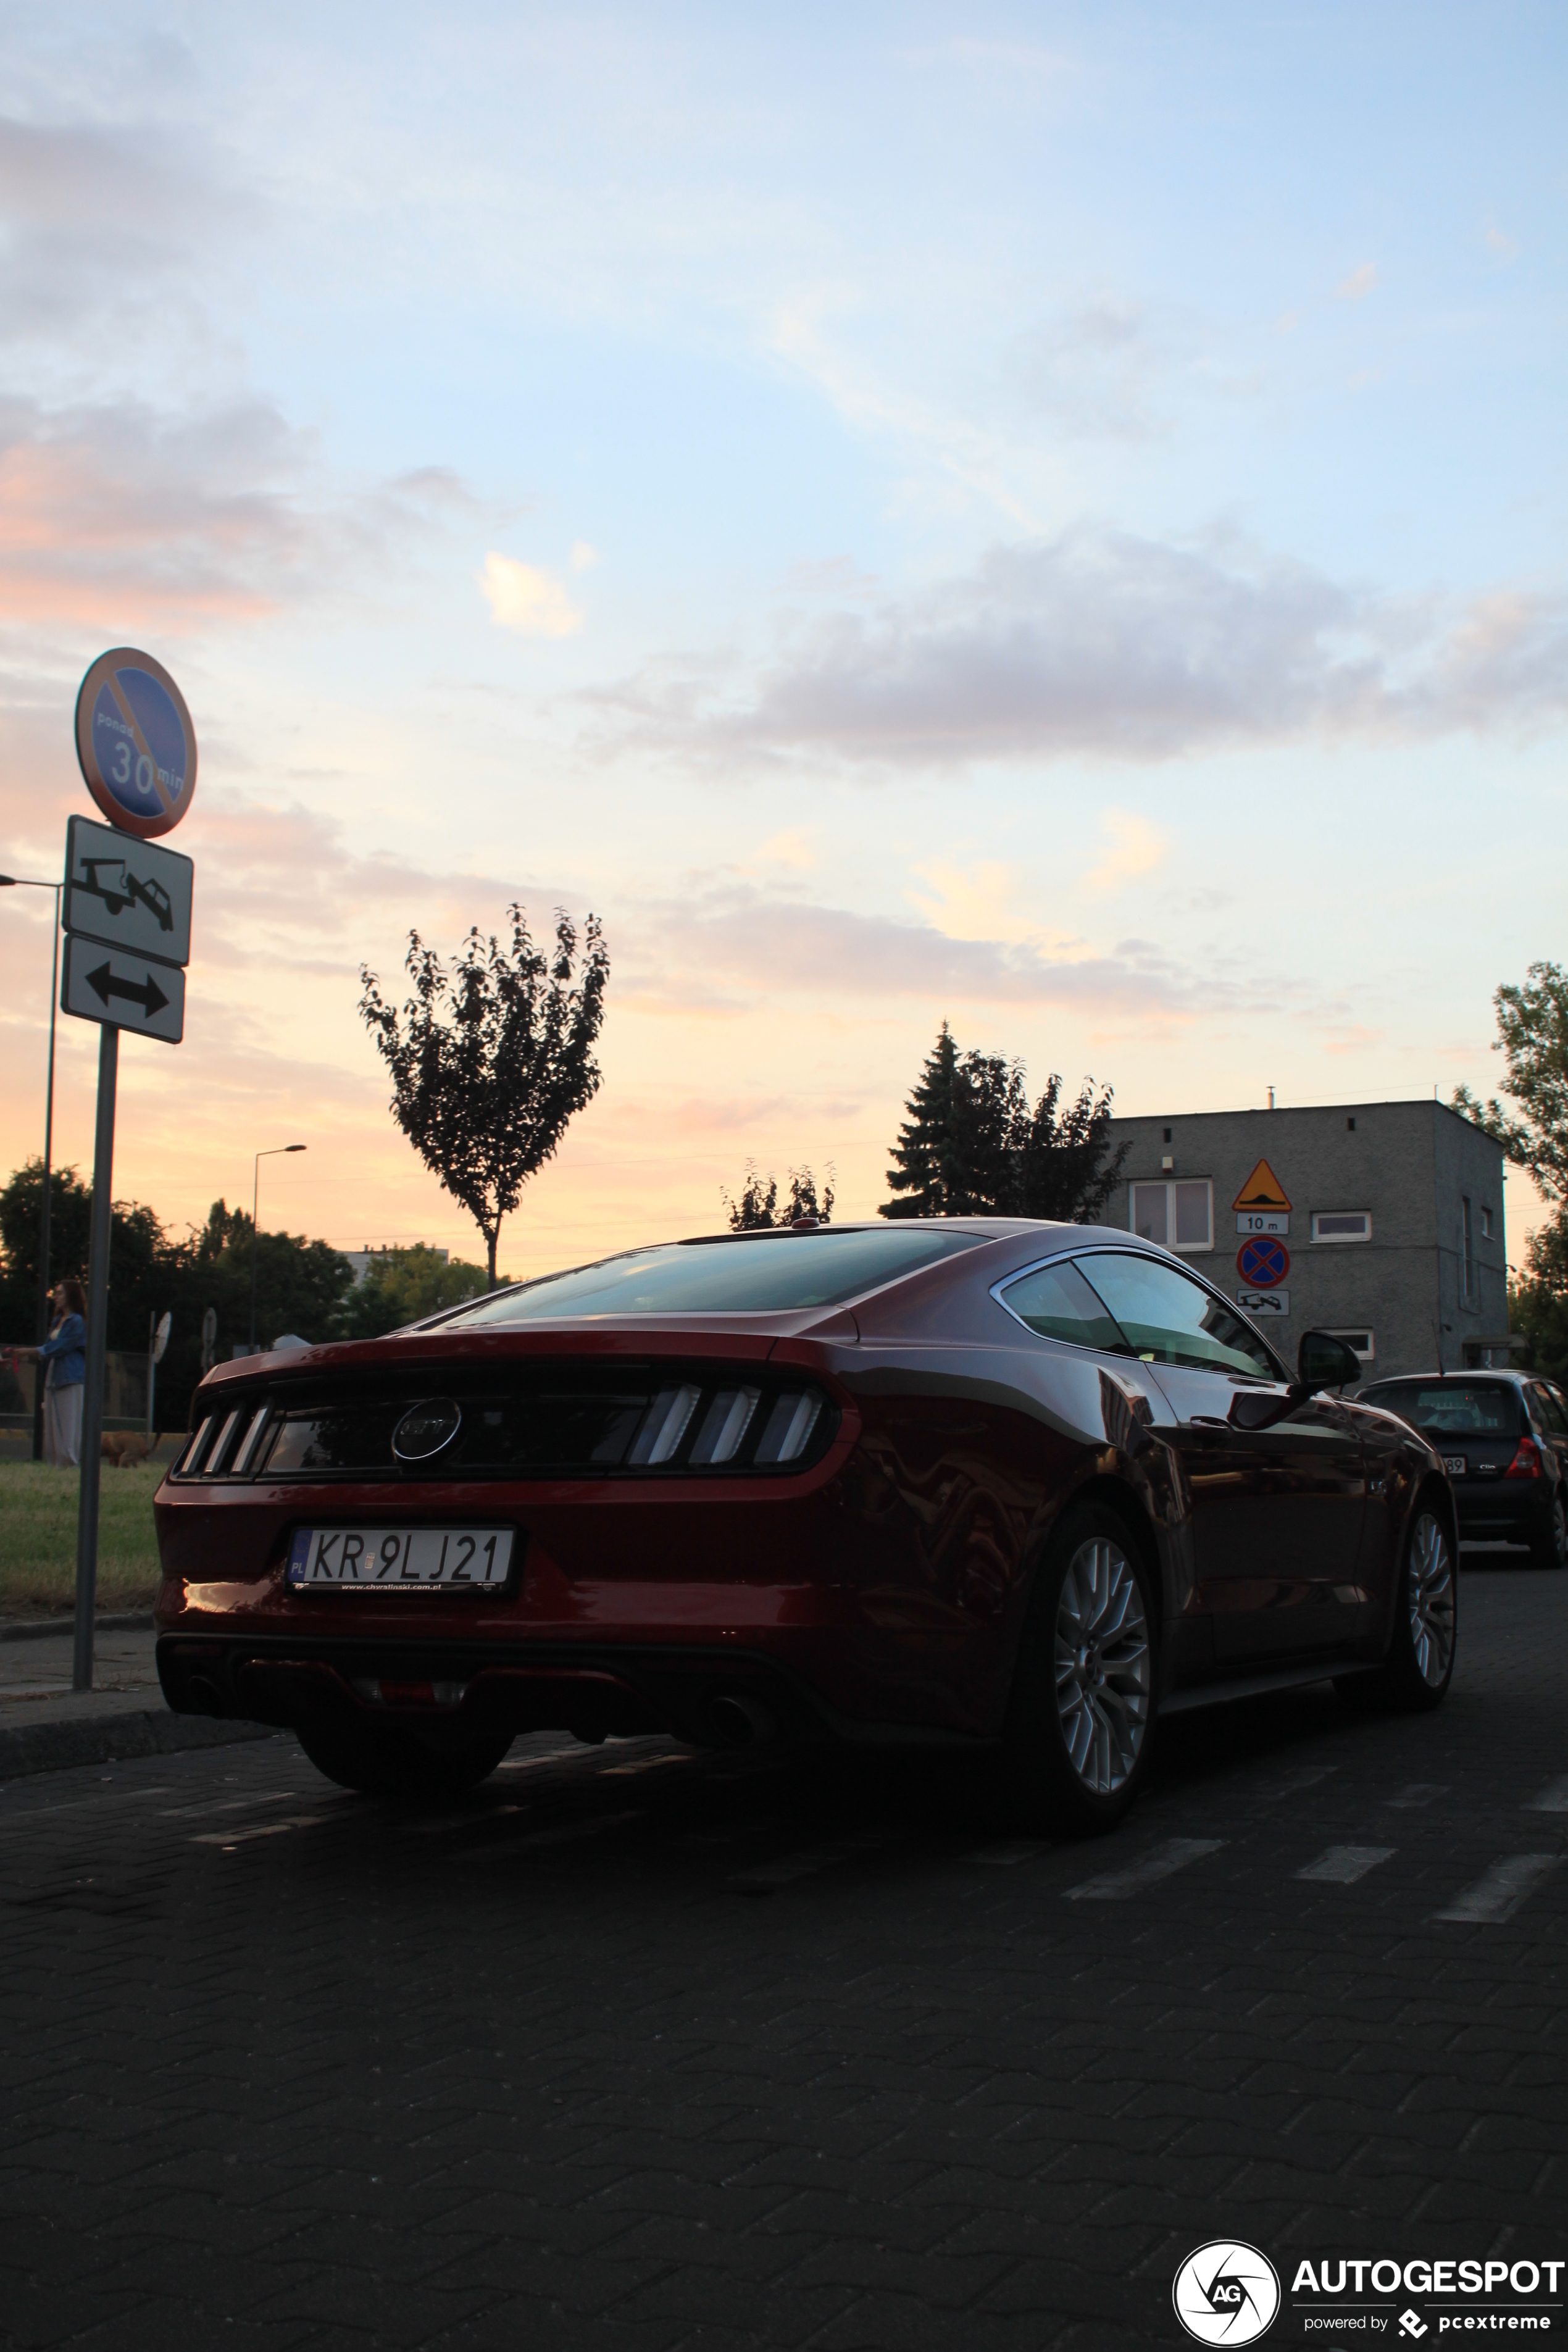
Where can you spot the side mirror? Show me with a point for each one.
(1324, 1362)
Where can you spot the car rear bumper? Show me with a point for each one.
(1499, 1510)
(455, 1691)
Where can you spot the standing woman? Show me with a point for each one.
(64, 1351)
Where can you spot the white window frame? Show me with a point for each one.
(1169, 1183)
(1367, 1355)
(1334, 1241)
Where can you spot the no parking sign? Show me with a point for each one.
(136, 743)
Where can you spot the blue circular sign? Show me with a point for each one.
(1262, 1262)
(135, 742)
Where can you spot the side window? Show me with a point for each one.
(1057, 1302)
(1171, 1320)
(1548, 1410)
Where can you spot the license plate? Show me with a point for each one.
(1455, 1464)
(363, 1560)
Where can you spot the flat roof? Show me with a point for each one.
(1286, 1110)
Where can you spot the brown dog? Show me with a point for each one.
(126, 1447)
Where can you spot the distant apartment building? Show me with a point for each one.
(1381, 1222)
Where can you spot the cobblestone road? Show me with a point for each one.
(641, 2051)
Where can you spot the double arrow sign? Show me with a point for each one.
(125, 896)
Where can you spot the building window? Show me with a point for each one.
(1350, 1126)
(1468, 1293)
(1361, 1341)
(1164, 1134)
(1341, 1224)
(1486, 1223)
(1179, 1216)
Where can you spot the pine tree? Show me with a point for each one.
(973, 1146)
(930, 1171)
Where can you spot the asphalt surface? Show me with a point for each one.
(645, 2051)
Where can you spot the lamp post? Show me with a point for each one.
(273, 1153)
(26, 882)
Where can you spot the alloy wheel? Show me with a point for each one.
(1431, 1601)
(1103, 1666)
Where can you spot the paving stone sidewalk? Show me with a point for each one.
(641, 2053)
(45, 1725)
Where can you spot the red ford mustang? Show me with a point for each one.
(1004, 1486)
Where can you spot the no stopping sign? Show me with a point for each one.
(1262, 1261)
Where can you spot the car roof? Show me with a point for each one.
(1472, 1380)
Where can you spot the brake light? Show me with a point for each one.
(1526, 1463)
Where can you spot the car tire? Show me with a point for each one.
(1549, 1547)
(1080, 1717)
(386, 1761)
(1419, 1665)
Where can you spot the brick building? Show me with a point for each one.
(1382, 1222)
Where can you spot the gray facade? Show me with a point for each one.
(1394, 1236)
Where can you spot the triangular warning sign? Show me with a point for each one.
(1262, 1189)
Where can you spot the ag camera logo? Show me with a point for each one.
(1227, 2293)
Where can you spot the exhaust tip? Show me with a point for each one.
(202, 1696)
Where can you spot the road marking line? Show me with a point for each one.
(548, 1756)
(766, 1876)
(1419, 1792)
(226, 1805)
(1552, 1798)
(1008, 1853)
(438, 1824)
(567, 1834)
(1306, 1776)
(263, 1829)
(1506, 1885)
(1170, 1855)
(1341, 1865)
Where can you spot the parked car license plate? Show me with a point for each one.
(362, 1558)
(1455, 1464)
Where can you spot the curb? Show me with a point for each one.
(114, 1739)
(39, 1628)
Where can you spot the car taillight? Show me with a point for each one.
(1526, 1463)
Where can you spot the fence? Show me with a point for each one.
(124, 1389)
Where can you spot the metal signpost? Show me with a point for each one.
(127, 921)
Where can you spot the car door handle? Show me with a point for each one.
(1208, 1420)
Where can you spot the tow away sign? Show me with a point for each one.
(121, 991)
(127, 893)
(1263, 1304)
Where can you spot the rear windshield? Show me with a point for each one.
(1453, 1408)
(767, 1275)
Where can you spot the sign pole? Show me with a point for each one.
(44, 1284)
(97, 1338)
(127, 925)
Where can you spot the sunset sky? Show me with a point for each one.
(1050, 517)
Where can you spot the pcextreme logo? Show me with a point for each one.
(1227, 2293)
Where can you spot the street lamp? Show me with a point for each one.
(26, 882)
(255, 1196)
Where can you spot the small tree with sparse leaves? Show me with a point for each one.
(758, 1209)
(491, 1060)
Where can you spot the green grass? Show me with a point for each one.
(37, 1539)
